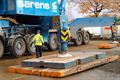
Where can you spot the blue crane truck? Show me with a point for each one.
(19, 20)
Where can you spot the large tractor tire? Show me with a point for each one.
(30, 44)
(17, 46)
(78, 40)
(86, 38)
(53, 42)
(1, 48)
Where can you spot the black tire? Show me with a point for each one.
(17, 46)
(30, 45)
(79, 39)
(86, 38)
(1, 48)
(53, 42)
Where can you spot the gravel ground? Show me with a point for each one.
(109, 71)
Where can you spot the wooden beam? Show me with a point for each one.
(107, 45)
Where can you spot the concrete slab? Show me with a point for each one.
(31, 62)
(99, 55)
(55, 62)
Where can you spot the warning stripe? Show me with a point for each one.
(64, 35)
(64, 32)
(64, 38)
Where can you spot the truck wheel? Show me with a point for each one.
(78, 41)
(1, 48)
(86, 38)
(30, 44)
(17, 46)
(53, 42)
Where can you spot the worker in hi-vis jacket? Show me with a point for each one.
(38, 42)
(114, 30)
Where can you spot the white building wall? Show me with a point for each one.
(102, 32)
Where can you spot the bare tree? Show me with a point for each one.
(96, 6)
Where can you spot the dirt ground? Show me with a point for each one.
(109, 71)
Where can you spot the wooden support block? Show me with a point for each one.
(118, 44)
(107, 45)
(20, 70)
(38, 72)
(28, 70)
(110, 45)
(12, 69)
(56, 73)
(45, 72)
(100, 46)
(35, 71)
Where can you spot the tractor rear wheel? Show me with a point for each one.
(86, 38)
(1, 48)
(30, 44)
(17, 46)
(53, 42)
(78, 40)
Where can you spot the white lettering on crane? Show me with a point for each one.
(20, 3)
(54, 6)
(37, 5)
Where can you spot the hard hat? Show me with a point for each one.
(38, 31)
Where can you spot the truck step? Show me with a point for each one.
(61, 72)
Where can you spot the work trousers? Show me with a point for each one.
(38, 51)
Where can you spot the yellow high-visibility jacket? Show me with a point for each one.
(38, 40)
(115, 28)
